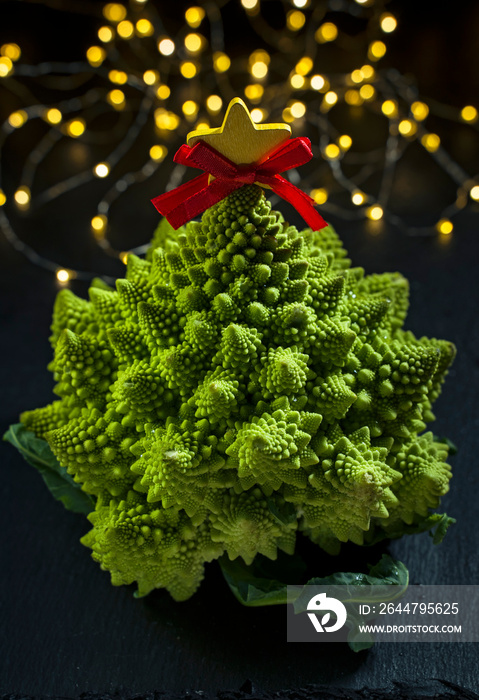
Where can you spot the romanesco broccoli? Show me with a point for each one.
(241, 369)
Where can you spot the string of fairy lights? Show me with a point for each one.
(144, 75)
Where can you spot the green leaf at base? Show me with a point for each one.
(436, 524)
(37, 452)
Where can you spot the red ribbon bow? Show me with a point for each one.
(192, 198)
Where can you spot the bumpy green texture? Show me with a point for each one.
(241, 384)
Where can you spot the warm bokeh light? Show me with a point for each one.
(144, 27)
(431, 142)
(345, 142)
(331, 98)
(259, 70)
(63, 275)
(163, 92)
(376, 50)
(254, 92)
(297, 81)
(358, 197)
(368, 72)
(116, 98)
(304, 65)
(106, 34)
(125, 29)
(298, 109)
(353, 98)
(326, 32)
(388, 22)
(444, 226)
(375, 212)
(114, 12)
(3, 198)
(95, 56)
(166, 46)
(194, 16)
(190, 108)
(101, 169)
(118, 76)
(319, 195)
(367, 92)
(98, 224)
(22, 197)
(221, 62)
(214, 103)
(75, 128)
(332, 151)
(150, 77)
(257, 115)
(357, 76)
(11, 51)
(194, 42)
(295, 20)
(18, 119)
(6, 66)
(469, 113)
(249, 4)
(158, 152)
(317, 82)
(407, 127)
(389, 108)
(420, 110)
(166, 120)
(474, 193)
(188, 69)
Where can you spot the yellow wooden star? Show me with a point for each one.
(239, 138)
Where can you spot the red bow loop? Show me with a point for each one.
(192, 198)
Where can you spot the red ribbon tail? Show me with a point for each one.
(173, 205)
(301, 201)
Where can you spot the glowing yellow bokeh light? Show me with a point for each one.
(106, 34)
(444, 226)
(190, 108)
(125, 29)
(474, 193)
(295, 20)
(259, 70)
(118, 76)
(357, 76)
(376, 50)
(63, 275)
(11, 51)
(98, 223)
(375, 212)
(75, 128)
(158, 152)
(194, 16)
(298, 109)
(297, 81)
(257, 115)
(332, 151)
(101, 169)
(163, 92)
(358, 197)
(254, 92)
(6, 66)
(214, 103)
(259, 55)
(22, 197)
(300, 3)
(304, 65)
(317, 82)
(249, 4)
(345, 142)
(124, 257)
(3, 199)
(388, 22)
(202, 126)
(319, 195)
(166, 46)
(144, 27)
(95, 56)
(353, 98)
(331, 98)
(166, 120)
(407, 127)
(420, 110)
(326, 32)
(18, 119)
(188, 69)
(389, 108)
(367, 92)
(114, 12)
(116, 98)
(287, 116)
(431, 142)
(469, 113)
(150, 77)
(221, 62)
(194, 42)
(368, 71)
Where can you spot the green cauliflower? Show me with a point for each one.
(243, 383)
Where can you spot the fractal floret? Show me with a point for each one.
(242, 385)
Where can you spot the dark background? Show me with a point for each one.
(65, 629)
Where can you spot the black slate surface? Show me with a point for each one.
(66, 632)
